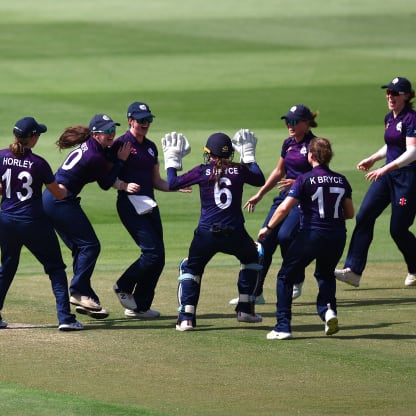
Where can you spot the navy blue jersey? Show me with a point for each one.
(139, 166)
(321, 193)
(296, 156)
(396, 131)
(22, 179)
(220, 202)
(86, 163)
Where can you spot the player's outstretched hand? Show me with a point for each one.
(175, 146)
(244, 142)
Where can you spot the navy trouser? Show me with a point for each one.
(324, 246)
(76, 231)
(40, 238)
(142, 275)
(204, 246)
(282, 235)
(397, 188)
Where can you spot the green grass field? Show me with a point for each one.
(205, 67)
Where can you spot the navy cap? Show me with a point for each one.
(219, 144)
(400, 85)
(299, 112)
(138, 111)
(28, 127)
(101, 122)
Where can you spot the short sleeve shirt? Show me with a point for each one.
(139, 166)
(22, 179)
(85, 164)
(220, 201)
(295, 155)
(321, 193)
(396, 131)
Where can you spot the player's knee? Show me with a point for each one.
(285, 239)
(92, 249)
(153, 259)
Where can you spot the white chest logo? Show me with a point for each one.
(151, 152)
(399, 126)
(304, 151)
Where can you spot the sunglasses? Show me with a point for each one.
(111, 130)
(145, 120)
(394, 93)
(292, 122)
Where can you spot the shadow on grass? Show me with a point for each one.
(376, 302)
(318, 329)
(136, 323)
(20, 326)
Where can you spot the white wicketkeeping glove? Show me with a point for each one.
(175, 146)
(186, 148)
(244, 142)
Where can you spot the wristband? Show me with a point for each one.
(269, 228)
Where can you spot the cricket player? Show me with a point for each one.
(392, 184)
(88, 162)
(325, 202)
(221, 224)
(140, 215)
(23, 221)
(292, 162)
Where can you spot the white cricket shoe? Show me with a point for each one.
(248, 317)
(297, 290)
(73, 326)
(185, 325)
(85, 301)
(259, 300)
(278, 335)
(410, 280)
(331, 322)
(149, 314)
(126, 299)
(348, 276)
